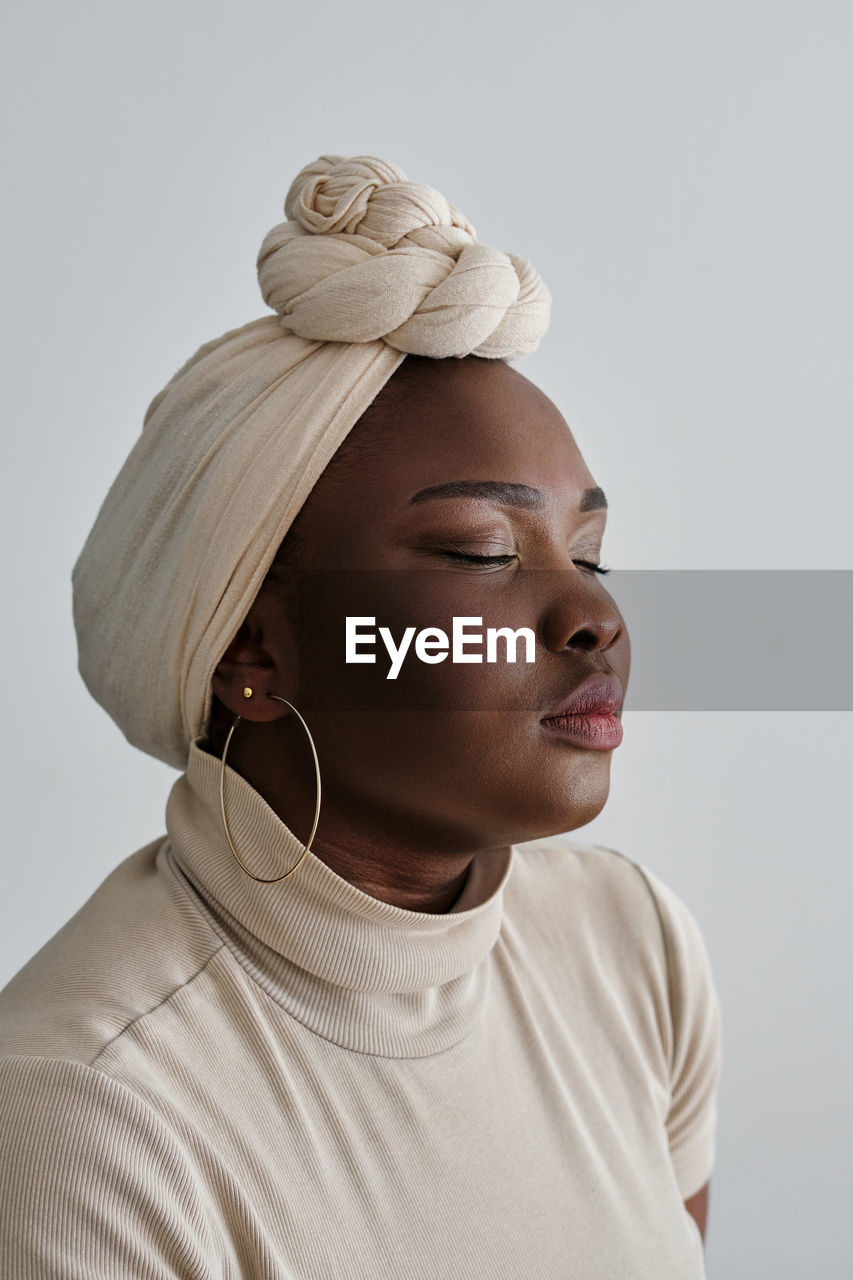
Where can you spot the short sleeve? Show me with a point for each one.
(93, 1184)
(695, 1048)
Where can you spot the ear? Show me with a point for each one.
(261, 657)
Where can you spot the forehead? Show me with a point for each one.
(440, 420)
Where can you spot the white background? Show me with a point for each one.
(679, 173)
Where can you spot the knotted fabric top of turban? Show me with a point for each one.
(368, 268)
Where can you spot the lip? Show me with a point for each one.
(587, 718)
(600, 695)
(596, 733)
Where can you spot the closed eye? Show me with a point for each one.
(597, 568)
(472, 559)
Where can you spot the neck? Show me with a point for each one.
(364, 974)
(389, 867)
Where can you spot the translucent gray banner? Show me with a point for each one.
(700, 640)
(738, 639)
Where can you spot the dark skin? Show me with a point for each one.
(449, 761)
(697, 1207)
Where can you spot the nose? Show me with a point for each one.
(578, 613)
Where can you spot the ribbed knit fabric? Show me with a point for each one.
(209, 1078)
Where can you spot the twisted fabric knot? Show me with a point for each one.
(366, 254)
(368, 269)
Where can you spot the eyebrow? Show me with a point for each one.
(503, 493)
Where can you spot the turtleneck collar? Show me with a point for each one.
(365, 974)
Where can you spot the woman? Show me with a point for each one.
(360, 1013)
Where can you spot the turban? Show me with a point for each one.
(368, 268)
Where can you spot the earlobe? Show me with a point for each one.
(243, 688)
(249, 663)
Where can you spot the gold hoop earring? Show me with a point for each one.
(247, 693)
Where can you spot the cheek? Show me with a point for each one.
(488, 775)
(433, 745)
(414, 601)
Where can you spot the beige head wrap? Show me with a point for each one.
(368, 268)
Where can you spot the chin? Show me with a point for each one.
(580, 799)
(550, 811)
(574, 819)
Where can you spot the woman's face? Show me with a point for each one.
(448, 753)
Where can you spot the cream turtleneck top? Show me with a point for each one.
(206, 1077)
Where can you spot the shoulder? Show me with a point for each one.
(599, 912)
(605, 886)
(579, 863)
(601, 892)
(616, 930)
(138, 938)
(85, 1160)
